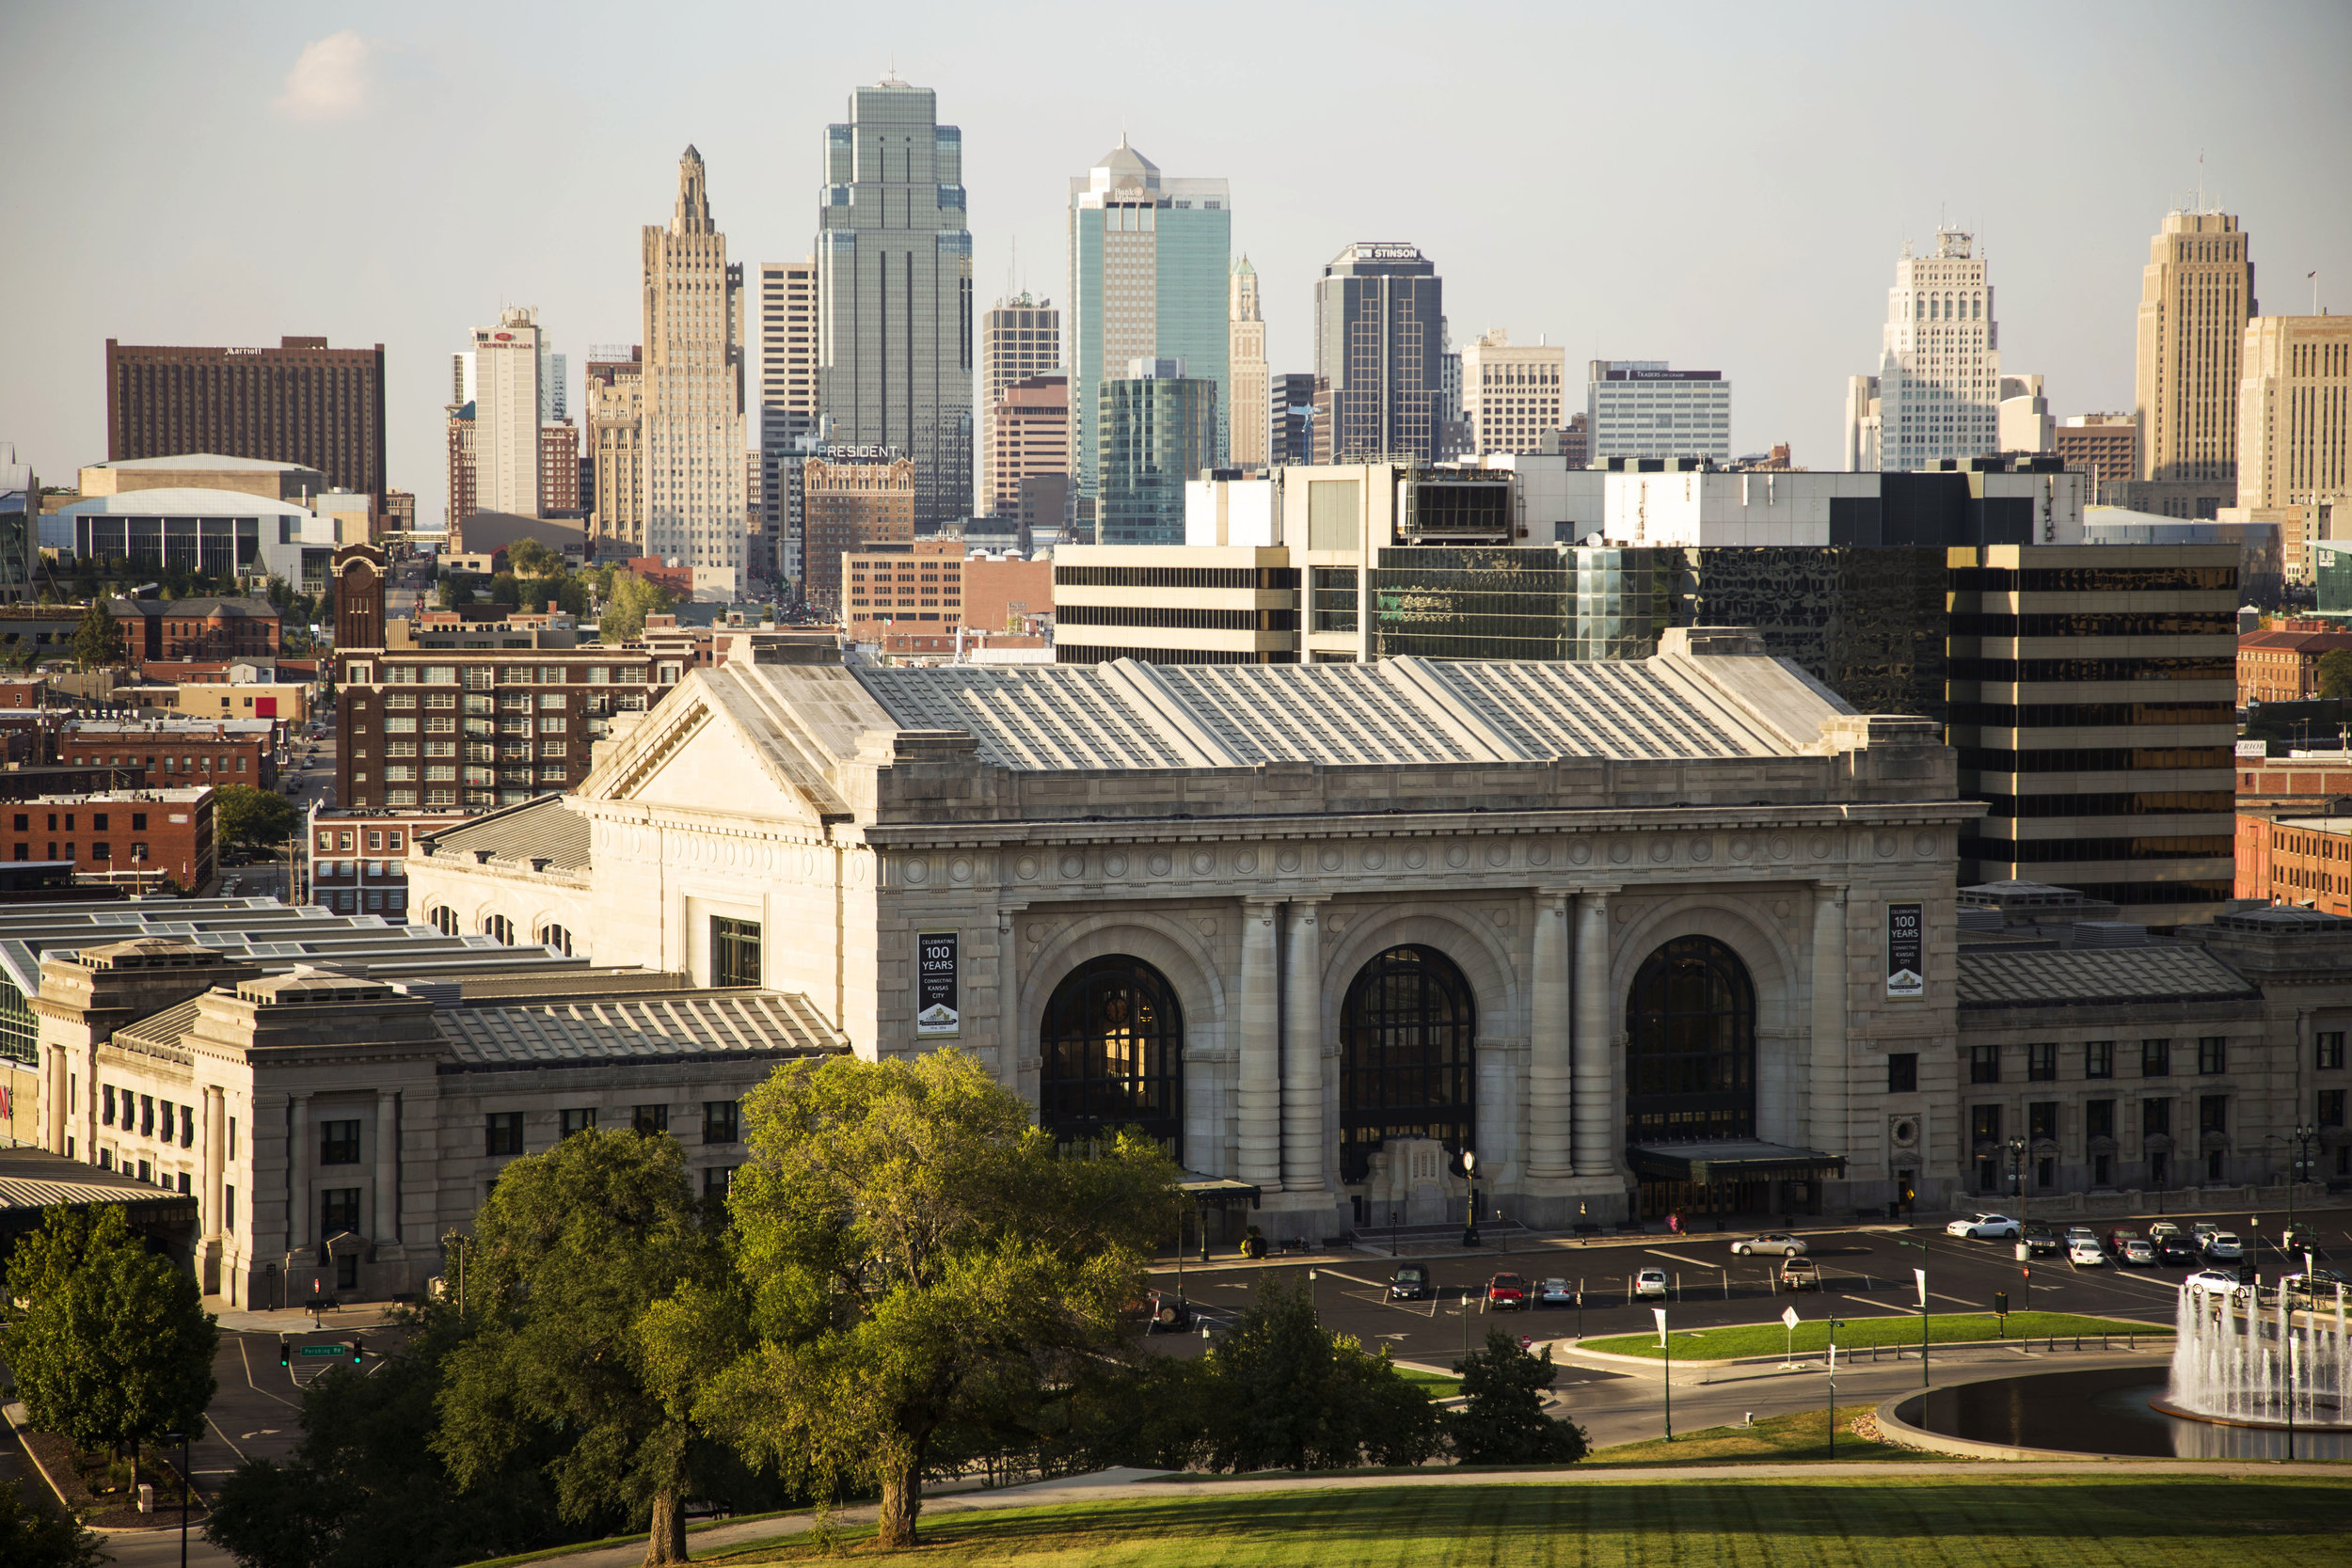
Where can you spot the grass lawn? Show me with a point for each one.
(2145, 1522)
(1724, 1344)
(1801, 1434)
(1436, 1385)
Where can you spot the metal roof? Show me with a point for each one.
(654, 1028)
(545, 827)
(175, 500)
(1126, 714)
(36, 1178)
(2109, 977)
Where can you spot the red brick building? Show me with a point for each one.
(133, 835)
(358, 859)
(197, 628)
(2304, 861)
(2283, 666)
(219, 752)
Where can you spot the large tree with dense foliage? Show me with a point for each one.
(111, 1346)
(35, 1536)
(2335, 673)
(98, 640)
(250, 819)
(627, 602)
(917, 1254)
(571, 1256)
(1501, 1419)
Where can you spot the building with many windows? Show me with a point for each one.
(2197, 295)
(1512, 396)
(1246, 437)
(1020, 344)
(1638, 408)
(616, 454)
(854, 498)
(1379, 355)
(895, 346)
(1156, 427)
(298, 403)
(2105, 446)
(356, 862)
(696, 507)
(1937, 392)
(2295, 419)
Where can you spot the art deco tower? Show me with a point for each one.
(894, 279)
(2195, 297)
(696, 508)
(1939, 381)
(1248, 418)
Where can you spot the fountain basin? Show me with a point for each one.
(2112, 1411)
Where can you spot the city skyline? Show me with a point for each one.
(1762, 259)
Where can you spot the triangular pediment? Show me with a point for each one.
(722, 740)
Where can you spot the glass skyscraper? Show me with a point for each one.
(1159, 427)
(1379, 355)
(893, 269)
(1149, 261)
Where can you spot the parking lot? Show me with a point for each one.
(1865, 1271)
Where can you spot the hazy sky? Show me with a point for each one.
(1725, 187)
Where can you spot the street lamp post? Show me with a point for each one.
(2017, 1170)
(1469, 1217)
(184, 1486)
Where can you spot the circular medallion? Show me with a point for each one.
(1159, 864)
(1286, 860)
(1884, 845)
(1580, 854)
(959, 870)
(1074, 865)
(1923, 845)
(1114, 864)
(1742, 846)
(1620, 852)
(1026, 868)
(1328, 860)
(1458, 855)
(1498, 854)
(1416, 858)
(916, 872)
(1820, 846)
(1202, 862)
(1245, 862)
(1375, 860)
(1661, 850)
(1780, 909)
(1781, 847)
(1702, 849)
(1540, 854)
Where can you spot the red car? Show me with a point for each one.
(1506, 1289)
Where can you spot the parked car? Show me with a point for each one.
(1985, 1227)
(2041, 1244)
(1800, 1272)
(2203, 1232)
(2176, 1251)
(2222, 1248)
(2221, 1281)
(1410, 1283)
(1507, 1290)
(1650, 1283)
(2162, 1229)
(2085, 1255)
(2321, 1283)
(2080, 1234)
(1555, 1292)
(1772, 1244)
(1165, 1310)
(2116, 1238)
(2137, 1253)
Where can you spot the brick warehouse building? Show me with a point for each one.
(197, 628)
(175, 751)
(141, 835)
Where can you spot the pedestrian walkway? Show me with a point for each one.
(296, 1319)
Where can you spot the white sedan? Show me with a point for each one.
(2219, 1282)
(1648, 1283)
(1772, 1244)
(1985, 1227)
(2086, 1255)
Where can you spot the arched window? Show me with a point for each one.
(555, 937)
(443, 919)
(1406, 1034)
(498, 928)
(1690, 1045)
(1112, 1044)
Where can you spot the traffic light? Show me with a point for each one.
(285, 1353)
(355, 1350)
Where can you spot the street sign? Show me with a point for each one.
(1788, 1318)
(326, 1350)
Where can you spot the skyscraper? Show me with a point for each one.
(1029, 439)
(2295, 412)
(1938, 388)
(1379, 345)
(1512, 395)
(1020, 340)
(695, 508)
(894, 270)
(1148, 280)
(507, 401)
(298, 403)
(2195, 297)
(1291, 402)
(788, 408)
(1158, 429)
(1248, 429)
(616, 450)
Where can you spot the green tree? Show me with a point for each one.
(528, 558)
(98, 640)
(916, 1253)
(570, 1253)
(2335, 673)
(631, 599)
(113, 1346)
(449, 592)
(251, 819)
(1502, 1420)
(32, 1536)
(1285, 1394)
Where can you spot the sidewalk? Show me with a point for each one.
(296, 1319)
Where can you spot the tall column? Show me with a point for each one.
(1012, 1050)
(53, 1096)
(1549, 1056)
(1594, 1143)
(215, 1157)
(1261, 1154)
(298, 1175)
(1304, 1158)
(386, 1227)
(1825, 1092)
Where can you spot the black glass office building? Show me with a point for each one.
(1550, 602)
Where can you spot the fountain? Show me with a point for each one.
(2244, 1362)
